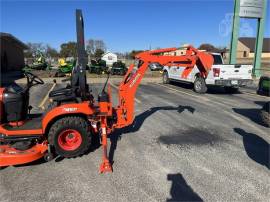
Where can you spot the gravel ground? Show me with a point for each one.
(181, 147)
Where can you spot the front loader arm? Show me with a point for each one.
(135, 73)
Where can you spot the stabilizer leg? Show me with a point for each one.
(105, 165)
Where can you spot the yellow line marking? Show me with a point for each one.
(42, 103)
(136, 100)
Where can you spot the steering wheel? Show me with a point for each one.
(32, 79)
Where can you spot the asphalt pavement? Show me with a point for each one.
(182, 146)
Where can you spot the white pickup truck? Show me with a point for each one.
(231, 77)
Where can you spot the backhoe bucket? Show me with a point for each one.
(204, 63)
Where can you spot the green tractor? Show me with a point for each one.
(118, 68)
(98, 67)
(264, 86)
(38, 64)
(64, 68)
(264, 89)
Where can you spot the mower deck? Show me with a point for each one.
(10, 156)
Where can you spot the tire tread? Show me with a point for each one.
(77, 121)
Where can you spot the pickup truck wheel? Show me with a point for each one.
(165, 78)
(265, 114)
(200, 85)
(231, 89)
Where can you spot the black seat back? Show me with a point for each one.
(16, 105)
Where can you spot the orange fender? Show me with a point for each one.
(65, 110)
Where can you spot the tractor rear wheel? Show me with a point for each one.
(70, 136)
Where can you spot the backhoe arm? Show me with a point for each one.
(135, 73)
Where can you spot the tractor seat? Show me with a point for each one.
(16, 102)
(63, 94)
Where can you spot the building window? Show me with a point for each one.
(245, 54)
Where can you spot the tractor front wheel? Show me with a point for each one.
(70, 136)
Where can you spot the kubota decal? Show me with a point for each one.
(134, 80)
(72, 109)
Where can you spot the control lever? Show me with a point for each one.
(29, 109)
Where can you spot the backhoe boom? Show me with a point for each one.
(128, 87)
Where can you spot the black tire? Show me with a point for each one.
(74, 123)
(200, 85)
(231, 89)
(261, 90)
(265, 114)
(165, 78)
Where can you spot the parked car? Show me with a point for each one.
(229, 76)
(155, 67)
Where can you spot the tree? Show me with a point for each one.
(98, 53)
(92, 45)
(99, 44)
(133, 53)
(51, 52)
(120, 55)
(34, 49)
(68, 49)
(208, 47)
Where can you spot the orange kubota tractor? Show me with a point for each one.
(67, 128)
